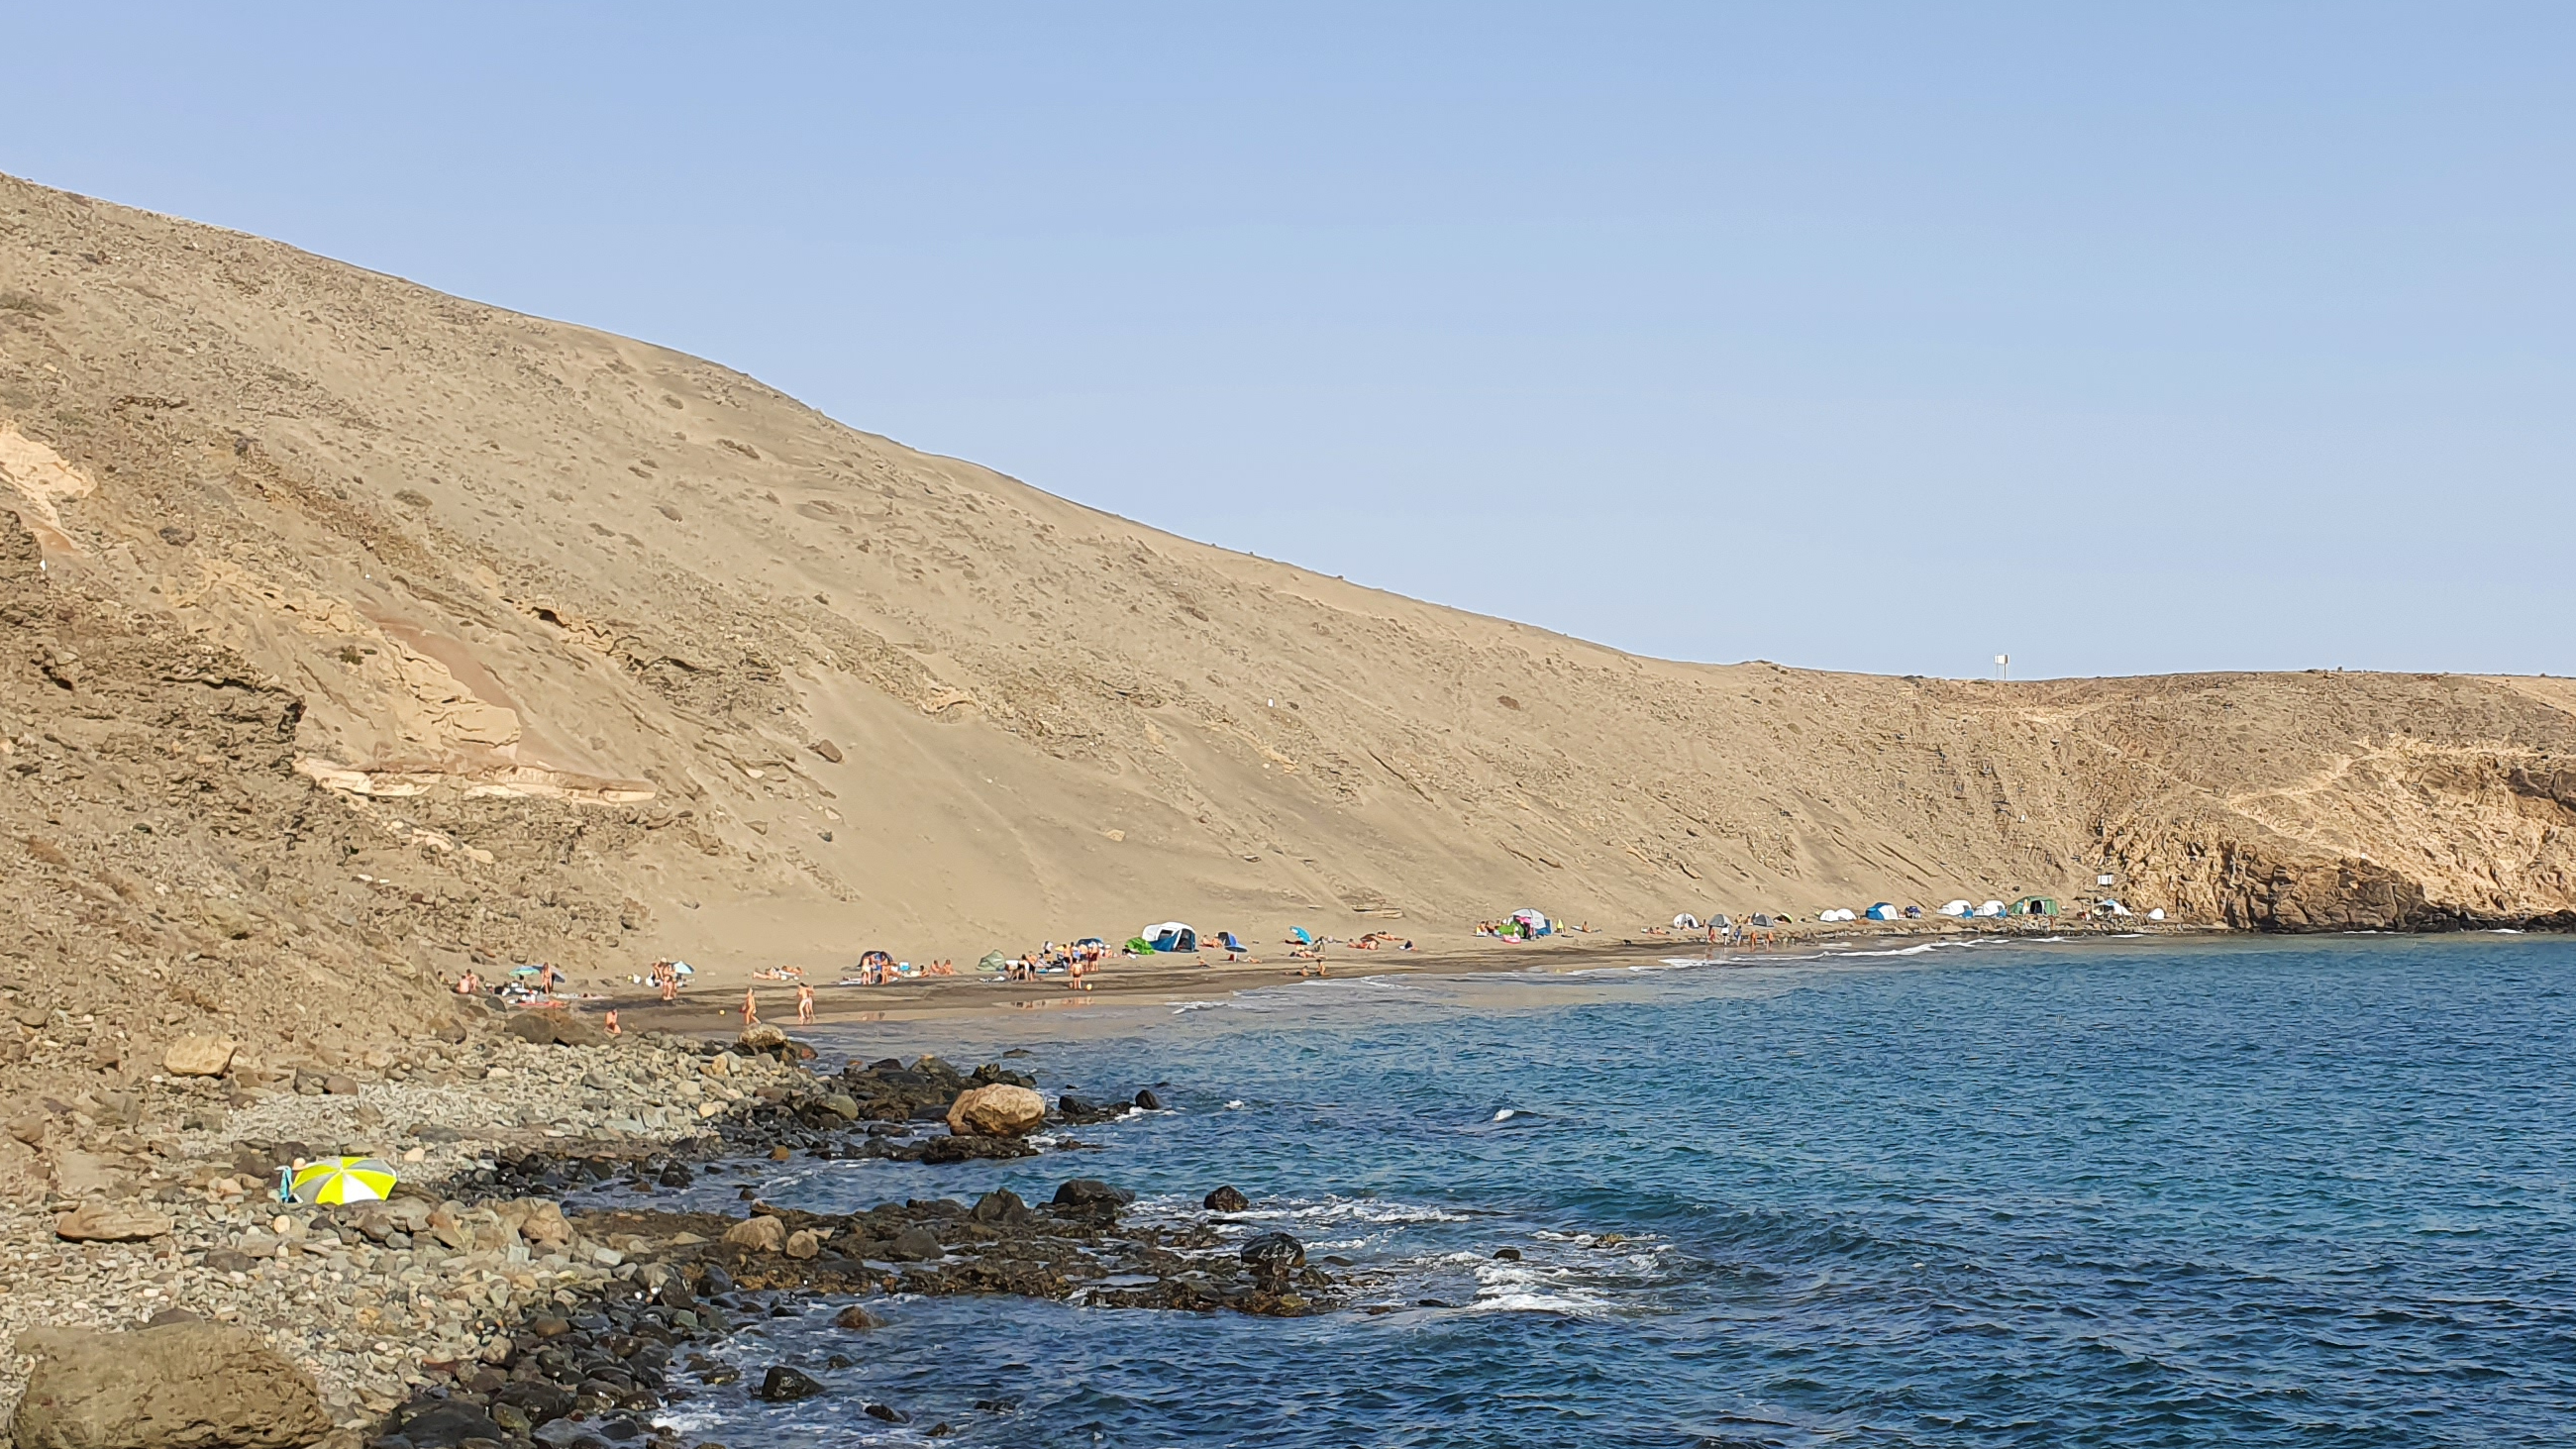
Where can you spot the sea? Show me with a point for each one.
(2274, 1191)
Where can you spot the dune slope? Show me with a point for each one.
(589, 648)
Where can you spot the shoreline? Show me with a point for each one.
(485, 1291)
(711, 1006)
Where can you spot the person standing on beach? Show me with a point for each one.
(804, 1005)
(750, 1008)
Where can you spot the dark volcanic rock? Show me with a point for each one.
(856, 1318)
(1090, 1194)
(1226, 1200)
(1272, 1257)
(1147, 1100)
(444, 1426)
(784, 1385)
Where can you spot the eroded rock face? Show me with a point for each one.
(1000, 1110)
(179, 1386)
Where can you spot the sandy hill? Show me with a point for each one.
(366, 627)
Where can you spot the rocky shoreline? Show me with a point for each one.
(474, 1306)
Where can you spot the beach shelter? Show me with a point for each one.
(1226, 939)
(1537, 924)
(1957, 908)
(993, 964)
(1171, 936)
(2035, 906)
(1883, 911)
(1761, 919)
(344, 1179)
(1685, 922)
(1138, 946)
(1298, 935)
(1990, 908)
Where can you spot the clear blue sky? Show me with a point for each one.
(1885, 337)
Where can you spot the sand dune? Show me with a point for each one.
(575, 620)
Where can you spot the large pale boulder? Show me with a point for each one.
(198, 1056)
(763, 1234)
(545, 1225)
(1000, 1110)
(104, 1222)
(178, 1386)
(761, 1037)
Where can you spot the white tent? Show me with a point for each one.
(1685, 922)
(1957, 908)
(1172, 936)
(1991, 908)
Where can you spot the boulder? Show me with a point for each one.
(179, 1386)
(554, 1028)
(856, 1318)
(1272, 1257)
(1092, 1193)
(997, 1111)
(102, 1222)
(784, 1385)
(1226, 1200)
(761, 1038)
(915, 1245)
(1148, 1101)
(802, 1244)
(198, 1056)
(444, 1426)
(545, 1225)
(763, 1234)
(843, 1106)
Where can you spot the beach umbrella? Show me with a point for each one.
(344, 1179)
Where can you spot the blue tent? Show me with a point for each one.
(1882, 912)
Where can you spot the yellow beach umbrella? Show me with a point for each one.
(344, 1179)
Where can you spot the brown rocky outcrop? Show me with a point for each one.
(178, 1386)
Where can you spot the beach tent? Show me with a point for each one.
(2108, 907)
(1088, 942)
(1837, 914)
(993, 964)
(1957, 908)
(1171, 936)
(1298, 935)
(2157, 914)
(1760, 919)
(1883, 911)
(1226, 939)
(1138, 946)
(2035, 906)
(1990, 908)
(1685, 922)
(1538, 924)
(1721, 922)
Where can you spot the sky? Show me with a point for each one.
(2118, 338)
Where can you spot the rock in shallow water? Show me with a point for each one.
(784, 1385)
(1000, 1110)
(1272, 1257)
(1226, 1200)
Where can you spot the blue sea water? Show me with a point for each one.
(2307, 1192)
